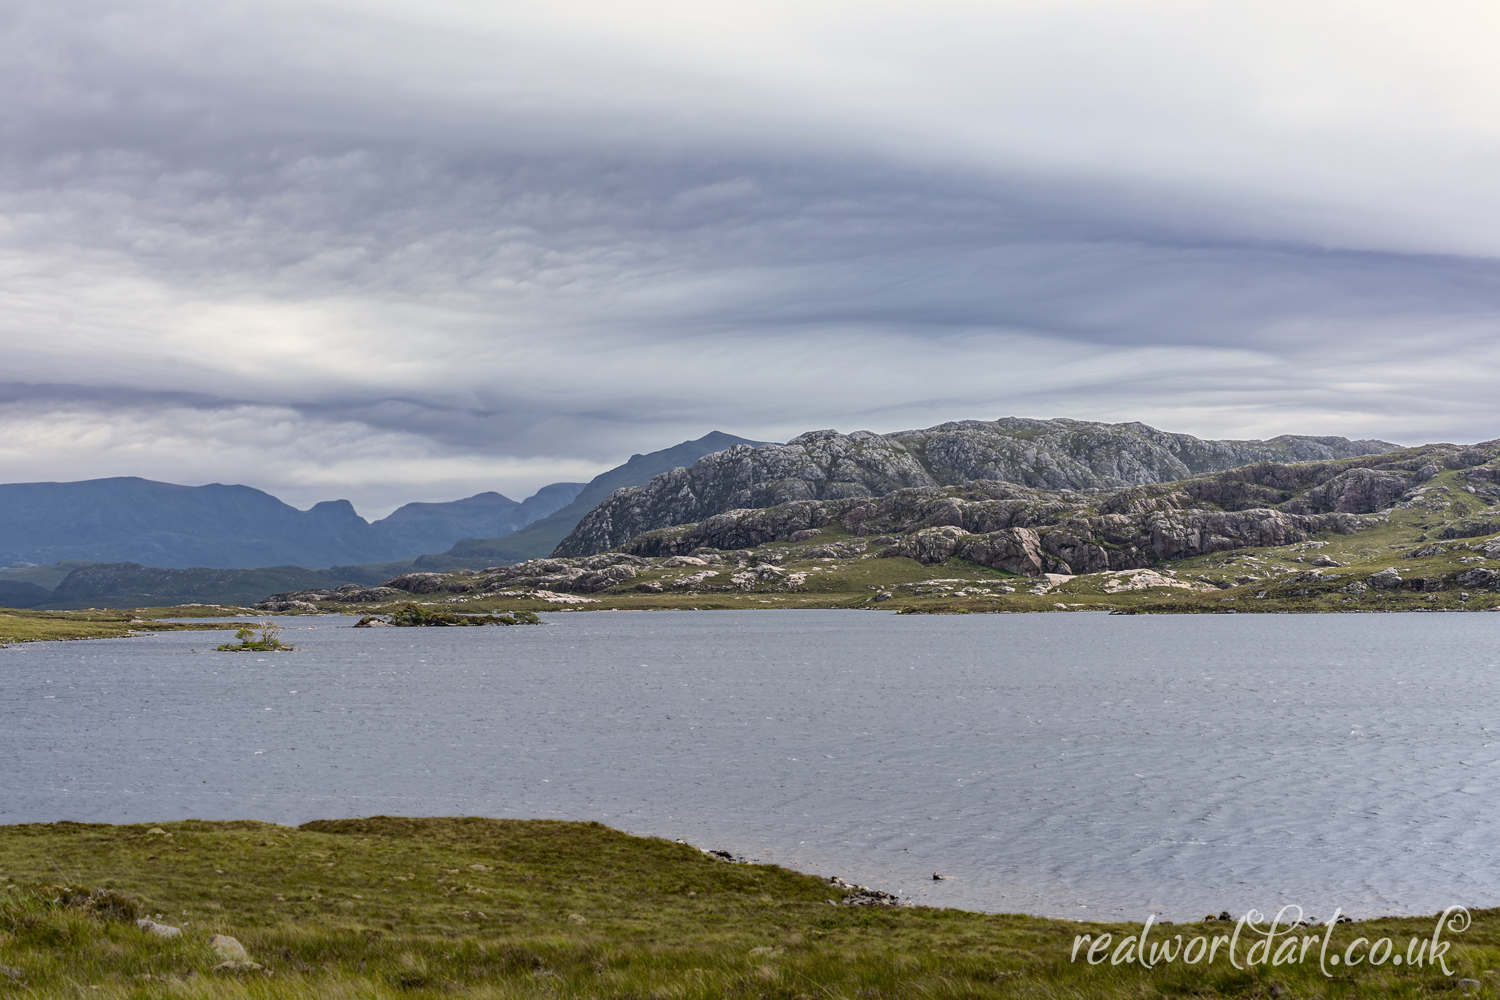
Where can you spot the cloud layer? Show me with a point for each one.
(398, 251)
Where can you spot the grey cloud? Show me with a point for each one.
(519, 285)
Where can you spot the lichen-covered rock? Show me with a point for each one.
(416, 583)
(928, 545)
(1355, 491)
(1477, 578)
(1015, 550)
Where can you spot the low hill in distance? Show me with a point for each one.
(826, 465)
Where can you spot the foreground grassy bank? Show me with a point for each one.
(495, 908)
(98, 623)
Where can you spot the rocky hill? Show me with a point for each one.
(1414, 528)
(829, 466)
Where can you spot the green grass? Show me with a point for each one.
(507, 908)
(94, 623)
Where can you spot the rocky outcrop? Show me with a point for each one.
(308, 600)
(1039, 455)
(577, 576)
(1009, 527)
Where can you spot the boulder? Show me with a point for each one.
(227, 947)
(1386, 579)
(238, 968)
(159, 930)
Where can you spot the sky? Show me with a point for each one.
(392, 251)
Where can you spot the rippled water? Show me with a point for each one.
(1064, 764)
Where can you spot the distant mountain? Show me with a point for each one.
(165, 525)
(827, 465)
(541, 538)
(426, 527)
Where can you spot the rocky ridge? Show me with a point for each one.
(1127, 536)
(1031, 531)
(829, 466)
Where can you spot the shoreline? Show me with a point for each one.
(463, 906)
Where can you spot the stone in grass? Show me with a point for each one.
(160, 930)
(239, 968)
(576, 918)
(227, 947)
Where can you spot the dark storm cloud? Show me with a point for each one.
(208, 218)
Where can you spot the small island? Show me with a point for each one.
(268, 642)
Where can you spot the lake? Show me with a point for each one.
(1074, 765)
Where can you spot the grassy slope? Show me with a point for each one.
(399, 907)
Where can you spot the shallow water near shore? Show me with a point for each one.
(1073, 765)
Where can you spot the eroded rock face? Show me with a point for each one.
(1012, 528)
(1051, 455)
(1356, 491)
(416, 583)
(1477, 578)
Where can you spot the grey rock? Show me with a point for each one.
(1479, 578)
(416, 583)
(1355, 491)
(1013, 528)
(239, 968)
(276, 606)
(227, 947)
(1470, 529)
(928, 545)
(1386, 579)
(1426, 551)
(159, 930)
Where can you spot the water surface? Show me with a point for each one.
(1063, 764)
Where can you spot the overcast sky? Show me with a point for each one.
(391, 250)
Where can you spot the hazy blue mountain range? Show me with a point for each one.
(162, 524)
(203, 544)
